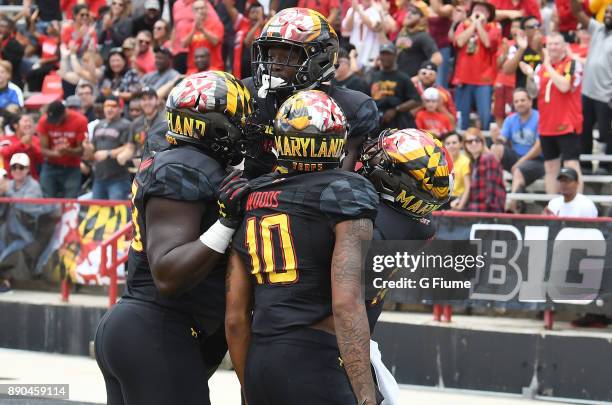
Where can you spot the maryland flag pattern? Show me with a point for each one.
(82, 230)
(311, 111)
(299, 25)
(424, 157)
(310, 132)
(212, 91)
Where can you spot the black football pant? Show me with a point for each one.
(298, 368)
(595, 111)
(150, 356)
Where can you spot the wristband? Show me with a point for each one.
(217, 237)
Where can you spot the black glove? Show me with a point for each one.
(231, 192)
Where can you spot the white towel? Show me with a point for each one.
(386, 382)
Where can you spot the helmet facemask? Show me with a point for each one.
(315, 65)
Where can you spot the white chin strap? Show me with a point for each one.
(269, 82)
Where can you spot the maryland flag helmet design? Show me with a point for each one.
(303, 31)
(409, 168)
(209, 110)
(309, 132)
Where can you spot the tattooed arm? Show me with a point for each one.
(349, 312)
(239, 303)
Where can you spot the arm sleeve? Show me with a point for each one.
(494, 37)
(349, 197)
(14, 99)
(594, 25)
(490, 172)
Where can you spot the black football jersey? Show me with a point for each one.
(359, 108)
(287, 240)
(391, 224)
(184, 174)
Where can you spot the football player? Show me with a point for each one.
(412, 172)
(296, 323)
(163, 340)
(413, 175)
(298, 50)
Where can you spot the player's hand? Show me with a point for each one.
(231, 193)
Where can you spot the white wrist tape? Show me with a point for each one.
(217, 237)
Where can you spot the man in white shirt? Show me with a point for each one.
(362, 25)
(570, 203)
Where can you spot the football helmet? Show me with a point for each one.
(304, 31)
(409, 168)
(209, 110)
(310, 131)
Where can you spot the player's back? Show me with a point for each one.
(182, 174)
(287, 240)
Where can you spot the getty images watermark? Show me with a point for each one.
(498, 270)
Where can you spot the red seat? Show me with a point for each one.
(51, 91)
(53, 84)
(38, 100)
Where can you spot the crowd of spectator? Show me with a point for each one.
(519, 70)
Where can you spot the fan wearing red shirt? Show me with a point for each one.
(145, 58)
(247, 29)
(559, 80)
(24, 141)
(204, 35)
(49, 57)
(476, 41)
(62, 133)
(82, 32)
(431, 118)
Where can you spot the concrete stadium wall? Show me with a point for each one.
(62, 329)
(562, 365)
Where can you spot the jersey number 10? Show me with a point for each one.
(260, 242)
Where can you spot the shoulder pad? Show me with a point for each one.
(184, 174)
(348, 196)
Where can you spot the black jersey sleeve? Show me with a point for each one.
(349, 197)
(360, 110)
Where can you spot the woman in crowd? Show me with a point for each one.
(119, 79)
(487, 192)
(114, 26)
(161, 34)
